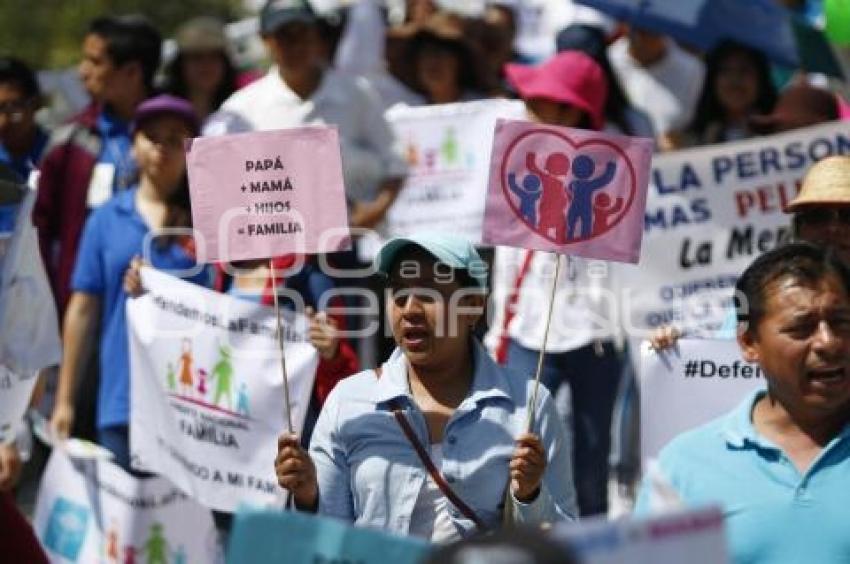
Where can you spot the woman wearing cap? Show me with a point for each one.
(581, 367)
(202, 71)
(113, 237)
(439, 402)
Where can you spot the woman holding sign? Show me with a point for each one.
(428, 443)
(133, 223)
(581, 366)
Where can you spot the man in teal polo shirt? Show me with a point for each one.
(779, 464)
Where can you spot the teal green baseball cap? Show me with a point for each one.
(450, 250)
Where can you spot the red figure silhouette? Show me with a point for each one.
(602, 210)
(553, 203)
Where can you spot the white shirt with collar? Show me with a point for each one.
(585, 307)
(370, 150)
(667, 90)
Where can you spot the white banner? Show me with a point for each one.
(447, 148)
(710, 211)
(207, 399)
(29, 331)
(695, 537)
(90, 510)
(689, 385)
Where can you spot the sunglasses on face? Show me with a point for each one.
(824, 216)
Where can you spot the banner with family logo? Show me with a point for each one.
(692, 536)
(90, 510)
(447, 148)
(709, 213)
(691, 384)
(207, 401)
(566, 190)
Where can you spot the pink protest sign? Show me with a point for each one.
(569, 191)
(267, 193)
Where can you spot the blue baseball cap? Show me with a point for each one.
(278, 13)
(450, 250)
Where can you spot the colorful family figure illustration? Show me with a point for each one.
(155, 548)
(445, 155)
(566, 210)
(200, 384)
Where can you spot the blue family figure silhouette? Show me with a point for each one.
(180, 555)
(603, 209)
(242, 400)
(528, 194)
(581, 189)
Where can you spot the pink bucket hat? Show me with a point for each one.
(570, 77)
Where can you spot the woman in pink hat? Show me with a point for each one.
(581, 367)
(569, 90)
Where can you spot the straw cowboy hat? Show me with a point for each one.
(826, 183)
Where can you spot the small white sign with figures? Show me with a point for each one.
(207, 401)
(90, 510)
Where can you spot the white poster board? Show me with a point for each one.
(697, 381)
(447, 148)
(691, 536)
(89, 510)
(710, 212)
(207, 400)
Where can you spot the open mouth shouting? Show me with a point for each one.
(828, 377)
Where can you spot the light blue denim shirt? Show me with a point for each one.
(774, 514)
(370, 474)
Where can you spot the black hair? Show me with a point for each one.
(468, 73)
(709, 109)
(331, 27)
(801, 261)
(178, 213)
(130, 38)
(175, 83)
(14, 70)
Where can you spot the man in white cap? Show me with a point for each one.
(298, 90)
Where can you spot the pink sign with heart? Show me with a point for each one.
(569, 191)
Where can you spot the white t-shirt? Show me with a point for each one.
(370, 150)
(668, 90)
(430, 518)
(584, 309)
